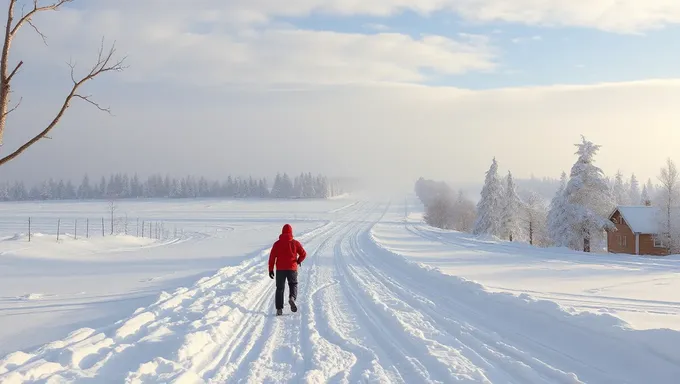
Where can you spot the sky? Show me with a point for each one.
(384, 89)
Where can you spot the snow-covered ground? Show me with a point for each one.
(368, 311)
(644, 291)
(48, 289)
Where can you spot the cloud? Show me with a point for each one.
(199, 51)
(617, 16)
(392, 133)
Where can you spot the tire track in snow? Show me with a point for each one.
(174, 337)
(367, 315)
(402, 309)
(458, 339)
(258, 357)
(545, 338)
(294, 341)
(403, 339)
(333, 355)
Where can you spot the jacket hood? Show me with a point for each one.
(286, 232)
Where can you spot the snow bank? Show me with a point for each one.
(564, 338)
(68, 247)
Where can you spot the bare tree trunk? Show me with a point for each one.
(4, 75)
(670, 180)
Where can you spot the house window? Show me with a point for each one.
(658, 241)
(622, 240)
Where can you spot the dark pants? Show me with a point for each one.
(281, 277)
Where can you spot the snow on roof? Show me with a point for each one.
(641, 219)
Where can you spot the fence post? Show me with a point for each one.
(75, 230)
(29, 229)
(88, 228)
(138, 227)
(58, 228)
(103, 227)
(150, 232)
(143, 226)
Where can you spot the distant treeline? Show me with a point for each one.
(122, 186)
(444, 208)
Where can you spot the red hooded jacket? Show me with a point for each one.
(285, 252)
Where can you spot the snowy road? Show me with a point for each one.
(366, 315)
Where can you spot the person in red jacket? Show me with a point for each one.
(287, 253)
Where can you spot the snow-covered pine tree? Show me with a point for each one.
(588, 199)
(70, 191)
(4, 192)
(135, 186)
(46, 191)
(644, 197)
(634, 192)
(287, 184)
(277, 191)
(19, 191)
(556, 221)
(490, 205)
(620, 193)
(651, 189)
(511, 227)
(85, 190)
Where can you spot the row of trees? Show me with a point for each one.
(444, 208)
(577, 215)
(121, 186)
(503, 214)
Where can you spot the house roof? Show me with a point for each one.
(640, 219)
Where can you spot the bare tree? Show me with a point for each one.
(535, 218)
(465, 212)
(439, 213)
(669, 194)
(105, 63)
(112, 210)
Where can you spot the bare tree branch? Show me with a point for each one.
(72, 65)
(27, 17)
(104, 64)
(11, 75)
(15, 107)
(87, 98)
(42, 35)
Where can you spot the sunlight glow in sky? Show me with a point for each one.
(392, 89)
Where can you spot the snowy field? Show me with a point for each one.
(48, 289)
(198, 308)
(643, 291)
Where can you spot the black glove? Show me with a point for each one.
(298, 262)
(271, 274)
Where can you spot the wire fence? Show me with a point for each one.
(84, 228)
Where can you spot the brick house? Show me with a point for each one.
(636, 231)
